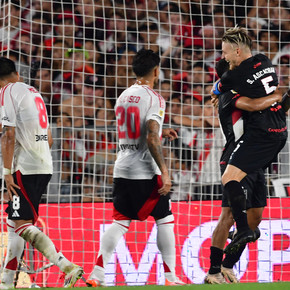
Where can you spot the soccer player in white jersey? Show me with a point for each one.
(26, 141)
(141, 178)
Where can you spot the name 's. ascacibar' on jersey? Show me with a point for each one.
(259, 74)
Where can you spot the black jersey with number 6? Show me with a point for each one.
(256, 77)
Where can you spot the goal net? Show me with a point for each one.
(78, 55)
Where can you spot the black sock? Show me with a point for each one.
(216, 258)
(237, 201)
(231, 259)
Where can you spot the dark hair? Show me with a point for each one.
(145, 61)
(202, 65)
(175, 8)
(43, 16)
(15, 3)
(221, 67)
(206, 99)
(7, 67)
(269, 29)
(166, 81)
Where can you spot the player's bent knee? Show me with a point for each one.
(227, 177)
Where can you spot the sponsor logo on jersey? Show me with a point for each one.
(5, 118)
(236, 95)
(279, 107)
(278, 130)
(257, 64)
(129, 146)
(41, 138)
(15, 214)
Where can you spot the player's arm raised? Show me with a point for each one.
(258, 104)
(7, 147)
(155, 148)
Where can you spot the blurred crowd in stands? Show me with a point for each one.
(78, 54)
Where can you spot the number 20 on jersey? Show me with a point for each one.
(128, 122)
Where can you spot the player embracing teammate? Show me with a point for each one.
(252, 148)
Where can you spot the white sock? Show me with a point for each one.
(108, 243)
(44, 245)
(15, 249)
(166, 245)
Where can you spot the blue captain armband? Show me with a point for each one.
(216, 90)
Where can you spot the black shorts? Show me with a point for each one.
(255, 188)
(137, 199)
(25, 205)
(251, 154)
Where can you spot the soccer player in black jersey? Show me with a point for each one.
(230, 106)
(266, 130)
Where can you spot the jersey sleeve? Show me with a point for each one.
(8, 110)
(234, 97)
(228, 99)
(157, 109)
(227, 81)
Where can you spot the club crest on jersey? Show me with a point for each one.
(161, 113)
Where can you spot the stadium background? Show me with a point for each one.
(78, 55)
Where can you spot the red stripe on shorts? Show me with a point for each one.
(151, 202)
(118, 216)
(19, 181)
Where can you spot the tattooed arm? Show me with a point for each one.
(155, 148)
